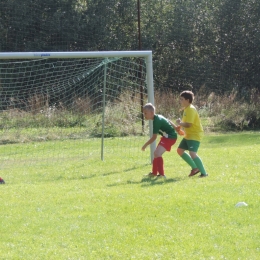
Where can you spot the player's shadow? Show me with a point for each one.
(126, 170)
(145, 182)
(158, 181)
(135, 167)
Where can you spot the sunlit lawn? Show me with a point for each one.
(93, 209)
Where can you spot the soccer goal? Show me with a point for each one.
(56, 105)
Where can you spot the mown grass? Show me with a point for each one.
(93, 209)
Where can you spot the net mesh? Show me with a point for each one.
(50, 109)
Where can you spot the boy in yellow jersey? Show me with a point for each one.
(193, 134)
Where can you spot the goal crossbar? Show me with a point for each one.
(146, 55)
(77, 54)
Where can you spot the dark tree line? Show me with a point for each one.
(213, 46)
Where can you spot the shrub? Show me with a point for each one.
(123, 116)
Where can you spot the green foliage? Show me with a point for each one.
(210, 45)
(49, 118)
(240, 117)
(110, 130)
(230, 113)
(122, 117)
(96, 209)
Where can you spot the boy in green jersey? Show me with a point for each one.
(161, 126)
(193, 134)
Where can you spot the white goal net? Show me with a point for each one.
(73, 105)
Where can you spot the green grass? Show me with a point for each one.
(93, 209)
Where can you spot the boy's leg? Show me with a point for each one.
(193, 153)
(186, 157)
(155, 166)
(159, 151)
(160, 165)
(200, 165)
(187, 145)
(164, 145)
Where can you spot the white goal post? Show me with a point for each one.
(146, 55)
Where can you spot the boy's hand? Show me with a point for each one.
(179, 130)
(143, 148)
(178, 121)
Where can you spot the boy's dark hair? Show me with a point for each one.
(187, 94)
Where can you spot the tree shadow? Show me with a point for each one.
(111, 173)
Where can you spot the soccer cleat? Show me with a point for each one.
(2, 181)
(150, 175)
(194, 172)
(203, 175)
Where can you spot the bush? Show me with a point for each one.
(231, 113)
(123, 116)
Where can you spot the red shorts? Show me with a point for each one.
(167, 143)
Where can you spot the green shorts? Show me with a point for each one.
(190, 145)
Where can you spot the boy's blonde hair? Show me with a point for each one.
(149, 106)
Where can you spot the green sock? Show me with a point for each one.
(189, 160)
(199, 164)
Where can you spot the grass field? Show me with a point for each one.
(93, 209)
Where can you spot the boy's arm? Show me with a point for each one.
(173, 125)
(183, 124)
(151, 140)
(177, 128)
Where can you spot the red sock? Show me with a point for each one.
(155, 166)
(160, 165)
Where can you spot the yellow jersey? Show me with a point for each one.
(190, 115)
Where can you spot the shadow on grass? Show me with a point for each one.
(146, 182)
(86, 176)
(157, 181)
(83, 177)
(94, 175)
(135, 167)
(111, 173)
